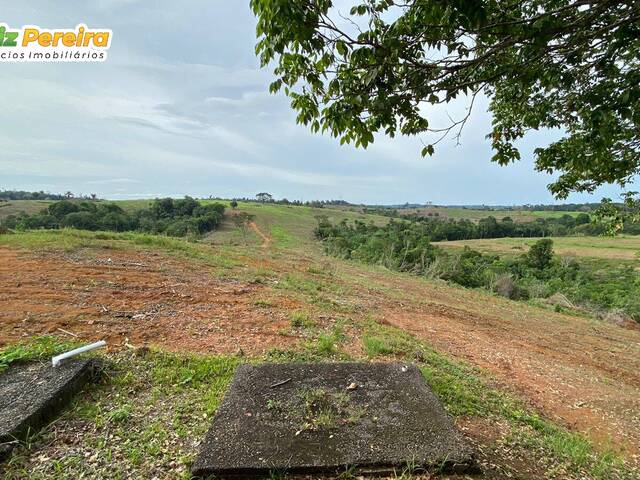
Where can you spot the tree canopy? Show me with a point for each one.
(573, 65)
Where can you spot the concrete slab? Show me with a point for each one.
(321, 418)
(32, 393)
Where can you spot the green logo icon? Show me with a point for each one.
(8, 38)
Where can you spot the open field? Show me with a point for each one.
(476, 214)
(540, 394)
(13, 207)
(618, 248)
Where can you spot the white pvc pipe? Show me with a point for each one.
(77, 351)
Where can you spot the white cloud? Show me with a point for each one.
(181, 107)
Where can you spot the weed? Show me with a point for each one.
(274, 405)
(374, 346)
(326, 345)
(263, 303)
(119, 415)
(300, 319)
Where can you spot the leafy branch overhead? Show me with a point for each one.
(567, 64)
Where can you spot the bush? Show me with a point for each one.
(540, 254)
(80, 220)
(505, 286)
(469, 268)
(35, 222)
(62, 208)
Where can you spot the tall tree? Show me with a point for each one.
(264, 197)
(567, 64)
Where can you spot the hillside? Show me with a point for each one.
(541, 394)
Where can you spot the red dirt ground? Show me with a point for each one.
(143, 297)
(585, 375)
(580, 372)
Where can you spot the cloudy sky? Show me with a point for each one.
(181, 107)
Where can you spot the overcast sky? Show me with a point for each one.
(181, 107)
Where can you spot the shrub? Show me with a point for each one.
(468, 268)
(505, 286)
(540, 254)
(62, 208)
(34, 222)
(80, 220)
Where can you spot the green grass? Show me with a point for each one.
(139, 419)
(324, 346)
(291, 227)
(69, 240)
(14, 207)
(151, 404)
(37, 348)
(300, 319)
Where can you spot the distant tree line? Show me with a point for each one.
(405, 246)
(264, 197)
(167, 216)
(565, 207)
(438, 229)
(22, 195)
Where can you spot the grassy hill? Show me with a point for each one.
(539, 393)
(14, 207)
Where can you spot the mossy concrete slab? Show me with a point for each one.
(32, 393)
(322, 417)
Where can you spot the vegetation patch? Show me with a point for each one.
(536, 273)
(300, 319)
(143, 420)
(36, 348)
(177, 218)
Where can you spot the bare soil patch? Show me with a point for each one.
(266, 240)
(136, 297)
(579, 372)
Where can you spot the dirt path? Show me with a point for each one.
(266, 240)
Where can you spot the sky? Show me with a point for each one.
(181, 107)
